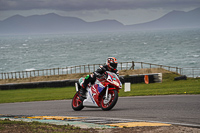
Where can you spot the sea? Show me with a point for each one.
(172, 47)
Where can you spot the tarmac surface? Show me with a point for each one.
(128, 112)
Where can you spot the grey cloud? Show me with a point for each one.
(78, 5)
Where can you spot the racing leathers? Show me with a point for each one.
(92, 77)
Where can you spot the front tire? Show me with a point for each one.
(108, 104)
(77, 102)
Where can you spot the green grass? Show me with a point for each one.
(167, 87)
(189, 86)
(38, 94)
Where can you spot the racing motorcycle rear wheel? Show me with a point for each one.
(77, 102)
(109, 102)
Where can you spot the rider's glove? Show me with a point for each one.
(96, 74)
(103, 69)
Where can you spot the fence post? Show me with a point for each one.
(26, 74)
(30, 76)
(133, 65)
(89, 68)
(11, 75)
(75, 69)
(8, 76)
(67, 70)
(141, 64)
(5, 75)
(93, 67)
(22, 74)
(2, 75)
(19, 75)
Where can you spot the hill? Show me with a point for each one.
(53, 23)
(174, 19)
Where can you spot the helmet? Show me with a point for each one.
(111, 62)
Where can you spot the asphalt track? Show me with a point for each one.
(174, 109)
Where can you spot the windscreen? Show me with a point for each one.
(113, 74)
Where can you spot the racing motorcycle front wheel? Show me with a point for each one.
(77, 102)
(109, 102)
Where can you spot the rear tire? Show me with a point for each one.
(108, 104)
(77, 102)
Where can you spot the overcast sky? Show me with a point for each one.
(124, 11)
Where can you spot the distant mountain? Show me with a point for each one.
(174, 19)
(53, 23)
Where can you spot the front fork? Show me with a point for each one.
(76, 85)
(106, 96)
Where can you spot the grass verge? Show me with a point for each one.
(167, 87)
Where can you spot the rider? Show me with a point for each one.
(111, 65)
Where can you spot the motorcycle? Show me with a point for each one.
(103, 93)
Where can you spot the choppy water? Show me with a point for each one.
(178, 48)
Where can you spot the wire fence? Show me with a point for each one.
(190, 72)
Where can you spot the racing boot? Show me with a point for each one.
(83, 92)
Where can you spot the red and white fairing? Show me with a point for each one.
(93, 92)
